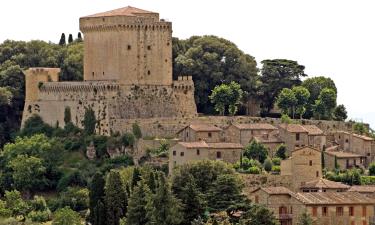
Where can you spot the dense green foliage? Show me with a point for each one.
(371, 169)
(226, 97)
(256, 150)
(66, 216)
(305, 219)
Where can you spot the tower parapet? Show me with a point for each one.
(34, 79)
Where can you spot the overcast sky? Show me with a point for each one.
(334, 38)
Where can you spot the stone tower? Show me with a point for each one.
(128, 45)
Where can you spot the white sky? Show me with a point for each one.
(334, 38)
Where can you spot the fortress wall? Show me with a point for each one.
(167, 127)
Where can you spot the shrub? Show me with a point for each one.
(371, 169)
(368, 180)
(66, 216)
(254, 170)
(137, 131)
(76, 198)
(35, 125)
(276, 161)
(267, 165)
(39, 216)
(4, 211)
(281, 151)
(276, 169)
(128, 139)
(71, 179)
(256, 151)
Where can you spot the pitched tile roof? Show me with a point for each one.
(269, 139)
(224, 145)
(304, 148)
(195, 144)
(363, 137)
(275, 190)
(293, 128)
(313, 130)
(255, 126)
(363, 188)
(333, 198)
(342, 154)
(126, 11)
(204, 127)
(325, 184)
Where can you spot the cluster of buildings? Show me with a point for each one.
(327, 202)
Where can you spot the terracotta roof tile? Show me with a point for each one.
(276, 190)
(269, 139)
(224, 145)
(195, 144)
(204, 127)
(126, 11)
(342, 154)
(363, 137)
(313, 130)
(326, 184)
(255, 126)
(363, 188)
(293, 128)
(333, 198)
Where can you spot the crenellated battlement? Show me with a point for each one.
(183, 82)
(79, 86)
(161, 26)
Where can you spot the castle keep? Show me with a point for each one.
(127, 75)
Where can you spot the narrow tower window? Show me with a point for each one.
(129, 47)
(148, 72)
(149, 47)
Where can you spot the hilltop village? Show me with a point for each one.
(126, 145)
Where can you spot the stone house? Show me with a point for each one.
(358, 144)
(324, 185)
(334, 208)
(345, 160)
(294, 136)
(200, 132)
(185, 152)
(303, 165)
(317, 138)
(368, 190)
(243, 133)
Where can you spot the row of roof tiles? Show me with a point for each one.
(216, 145)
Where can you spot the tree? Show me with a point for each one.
(67, 115)
(35, 125)
(70, 39)
(137, 208)
(96, 196)
(225, 192)
(258, 215)
(212, 61)
(371, 169)
(28, 172)
(137, 130)
(360, 128)
(281, 151)
(226, 96)
(164, 208)
(15, 203)
(305, 219)
(340, 113)
(277, 74)
(302, 99)
(287, 101)
(267, 165)
(315, 85)
(89, 121)
(115, 198)
(66, 216)
(5, 96)
(136, 177)
(79, 37)
(72, 62)
(256, 150)
(337, 166)
(62, 41)
(326, 103)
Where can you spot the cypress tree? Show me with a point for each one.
(137, 208)
(62, 41)
(99, 214)
(336, 164)
(115, 199)
(70, 39)
(89, 122)
(96, 195)
(136, 177)
(67, 115)
(152, 182)
(79, 37)
(164, 208)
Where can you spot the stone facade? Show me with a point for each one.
(200, 132)
(303, 166)
(345, 160)
(127, 75)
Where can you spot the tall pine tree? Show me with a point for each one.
(115, 198)
(164, 208)
(96, 195)
(62, 41)
(137, 205)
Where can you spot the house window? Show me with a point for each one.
(347, 140)
(324, 211)
(187, 134)
(198, 152)
(297, 137)
(149, 47)
(148, 72)
(310, 162)
(129, 47)
(339, 211)
(351, 211)
(315, 211)
(182, 154)
(364, 213)
(317, 173)
(174, 152)
(93, 73)
(256, 199)
(283, 210)
(209, 134)
(218, 155)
